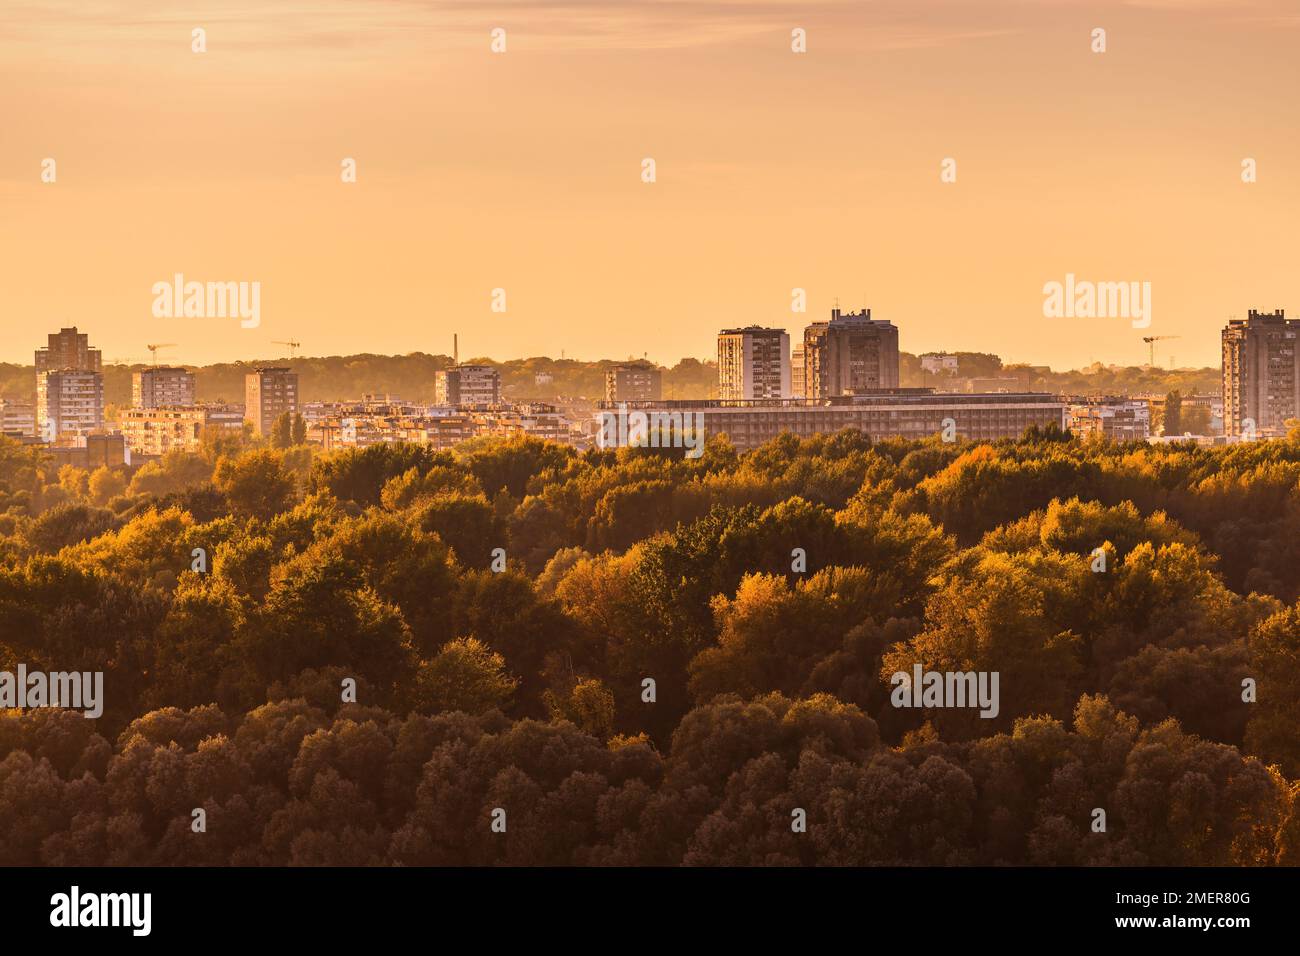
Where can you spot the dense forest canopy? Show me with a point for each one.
(523, 686)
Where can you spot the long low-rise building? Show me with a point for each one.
(441, 426)
(885, 413)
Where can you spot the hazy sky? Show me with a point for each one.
(522, 171)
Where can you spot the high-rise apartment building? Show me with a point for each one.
(850, 353)
(634, 382)
(798, 386)
(69, 349)
(162, 388)
(753, 362)
(69, 387)
(69, 404)
(1260, 380)
(467, 385)
(268, 394)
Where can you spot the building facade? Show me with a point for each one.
(227, 417)
(468, 385)
(939, 363)
(91, 452)
(903, 413)
(535, 419)
(1117, 419)
(156, 431)
(69, 404)
(69, 349)
(753, 362)
(850, 353)
(69, 388)
(162, 388)
(798, 388)
(360, 427)
(634, 382)
(268, 394)
(1261, 388)
(17, 419)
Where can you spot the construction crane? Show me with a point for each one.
(291, 346)
(153, 349)
(1151, 341)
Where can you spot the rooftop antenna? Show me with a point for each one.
(455, 349)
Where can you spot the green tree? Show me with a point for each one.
(464, 675)
(282, 431)
(1174, 413)
(588, 704)
(359, 474)
(66, 525)
(255, 483)
(175, 472)
(319, 612)
(75, 481)
(105, 484)
(1275, 660)
(467, 523)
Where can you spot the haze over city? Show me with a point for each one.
(522, 171)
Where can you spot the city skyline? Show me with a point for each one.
(776, 171)
(847, 373)
(274, 351)
(796, 342)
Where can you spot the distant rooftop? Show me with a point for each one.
(876, 396)
(750, 328)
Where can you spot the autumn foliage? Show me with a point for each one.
(524, 686)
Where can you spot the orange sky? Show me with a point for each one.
(522, 171)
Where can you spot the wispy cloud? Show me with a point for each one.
(375, 28)
(537, 25)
